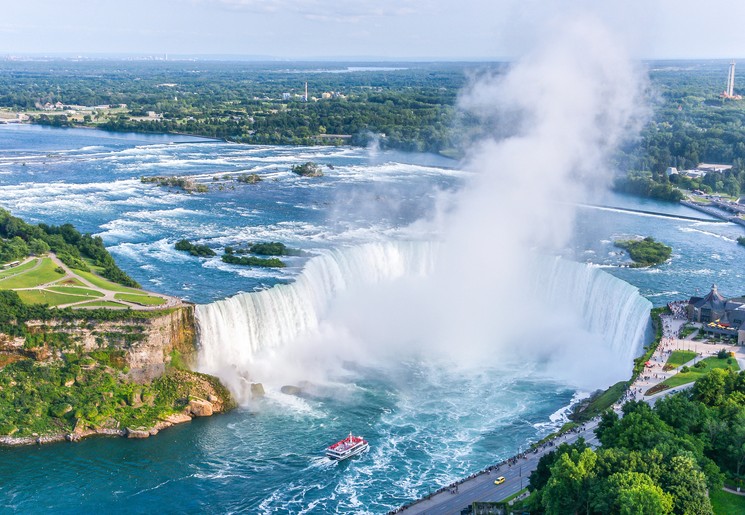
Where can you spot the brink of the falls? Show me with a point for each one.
(602, 310)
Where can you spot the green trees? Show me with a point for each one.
(661, 459)
(13, 249)
(194, 250)
(568, 488)
(646, 252)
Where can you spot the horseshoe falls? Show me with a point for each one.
(574, 308)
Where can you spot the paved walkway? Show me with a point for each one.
(654, 373)
(481, 487)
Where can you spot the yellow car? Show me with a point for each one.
(499, 480)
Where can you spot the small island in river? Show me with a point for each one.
(645, 252)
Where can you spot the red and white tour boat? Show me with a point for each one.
(350, 446)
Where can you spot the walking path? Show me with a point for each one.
(654, 372)
(106, 295)
(480, 486)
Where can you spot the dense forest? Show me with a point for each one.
(661, 459)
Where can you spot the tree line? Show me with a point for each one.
(653, 460)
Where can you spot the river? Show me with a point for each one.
(428, 421)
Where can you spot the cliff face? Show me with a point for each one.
(78, 378)
(148, 345)
(167, 336)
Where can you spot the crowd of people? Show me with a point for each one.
(678, 309)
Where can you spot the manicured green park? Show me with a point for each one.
(102, 304)
(725, 503)
(32, 283)
(144, 300)
(33, 276)
(48, 297)
(678, 358)
(105, 284)
(18, 269)
(75, 290)
(690, 374)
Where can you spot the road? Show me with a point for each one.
(481, 487)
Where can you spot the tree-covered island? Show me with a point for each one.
(241, 255)
(645, 252)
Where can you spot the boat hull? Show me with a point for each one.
(352, 452)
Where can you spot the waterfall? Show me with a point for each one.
(609, 306)
(234, 331)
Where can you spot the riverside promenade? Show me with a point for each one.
(480, 486)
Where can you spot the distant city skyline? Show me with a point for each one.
(359, 29)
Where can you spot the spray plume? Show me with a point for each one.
(476, 296)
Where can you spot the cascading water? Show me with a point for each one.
(608, 306)
(234, 331)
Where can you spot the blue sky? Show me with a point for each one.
(390, 29)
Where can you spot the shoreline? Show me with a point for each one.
(139, 433)
(212, 139)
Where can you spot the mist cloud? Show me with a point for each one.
(481, 297)
(560, 112)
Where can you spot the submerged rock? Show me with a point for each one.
(291, 390)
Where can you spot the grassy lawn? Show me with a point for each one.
(516, 494)
(47, 297)
(725, 503)
(71, 282)
(101, 304)
(74, 290)
(604, 401)
(105, 283)
(679, 357)
(20, 268)
(144, 300)
(44, 274)
(694, 373)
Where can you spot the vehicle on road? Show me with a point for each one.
(499, 480)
